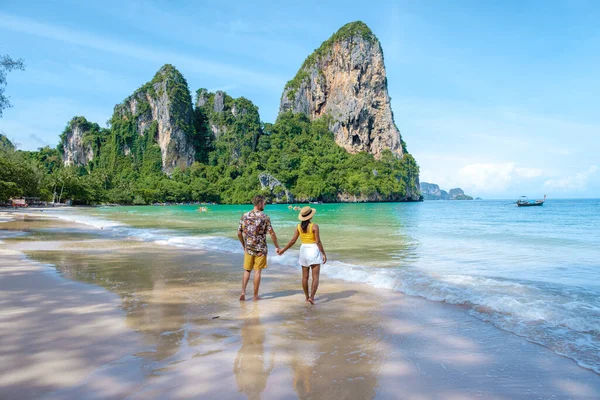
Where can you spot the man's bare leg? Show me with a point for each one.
(245, 280)
(257, 273)
(316, 270)
(305, 271)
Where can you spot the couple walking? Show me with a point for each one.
(252, 233)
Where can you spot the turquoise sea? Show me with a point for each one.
(531, 271)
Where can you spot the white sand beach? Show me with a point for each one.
(95, 317)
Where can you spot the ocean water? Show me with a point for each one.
(532, 271)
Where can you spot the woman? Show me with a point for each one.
(312, 254)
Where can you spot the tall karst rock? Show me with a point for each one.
(162, 108)
(6, 144)
(77, 142)
(345, 79)
(226, 124)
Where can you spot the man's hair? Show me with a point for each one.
(259, 198)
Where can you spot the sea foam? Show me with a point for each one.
(563, 318)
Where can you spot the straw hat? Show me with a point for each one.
(306, 213)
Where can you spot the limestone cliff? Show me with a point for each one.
(277, 189)
(431, 191)
(76, 142)
(165, 100)
(226, 124)
(345, 79)
(6, 144)
(458, 194)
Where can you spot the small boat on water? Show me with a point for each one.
(525, 202)
(315, 202)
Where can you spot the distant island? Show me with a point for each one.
(334, 140)
(431, 191)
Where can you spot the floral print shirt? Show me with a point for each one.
(254, 225)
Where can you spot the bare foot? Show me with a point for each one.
(307, 300)
(243, 297)
(311, 301)
(257, 298)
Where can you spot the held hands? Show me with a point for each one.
(280, 251)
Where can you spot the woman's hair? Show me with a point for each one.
(304, 225)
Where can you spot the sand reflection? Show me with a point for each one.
(250, 367)
(330, 360)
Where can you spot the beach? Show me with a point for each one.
(86, 315)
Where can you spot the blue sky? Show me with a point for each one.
(498, 98)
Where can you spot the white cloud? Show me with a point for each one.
(529, 172)
(494, 177)
(578, 181)
(485, 177)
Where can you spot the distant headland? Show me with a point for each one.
(431, 191)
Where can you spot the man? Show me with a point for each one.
(252, 233)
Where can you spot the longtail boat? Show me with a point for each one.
(525, 202)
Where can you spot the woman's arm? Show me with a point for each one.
(318, 239)
(291, 243)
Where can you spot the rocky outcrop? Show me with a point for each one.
(227, 122)
(277, 189)
(454, 193)
(431, 191)
(6, 144)
(222, 112)
(458, 194)
(76, 142)
(345, 80)
(375, 198)
(165, 100)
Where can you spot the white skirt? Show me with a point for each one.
(310, 255)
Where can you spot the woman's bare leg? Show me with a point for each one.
(316, 271)
(305, 271)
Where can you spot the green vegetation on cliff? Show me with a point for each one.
(463, 197)
(6, 144)
(167, 92)
(232, 149)
(357, 29)
(228, 132)
(93, 135)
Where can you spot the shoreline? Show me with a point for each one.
(340, 271)
(55, 331)
(37, 208)
(409, 339)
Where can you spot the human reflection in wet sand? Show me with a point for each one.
(249, 367)
(328, 362)
(302, 364)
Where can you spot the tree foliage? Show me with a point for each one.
(233, 148)
(7, 64)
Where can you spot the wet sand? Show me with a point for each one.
(118, 318)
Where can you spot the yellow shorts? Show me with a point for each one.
(254, 262)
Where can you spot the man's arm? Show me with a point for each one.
(274, 238)
(272, 233)
(241, 233)
(241, 237)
